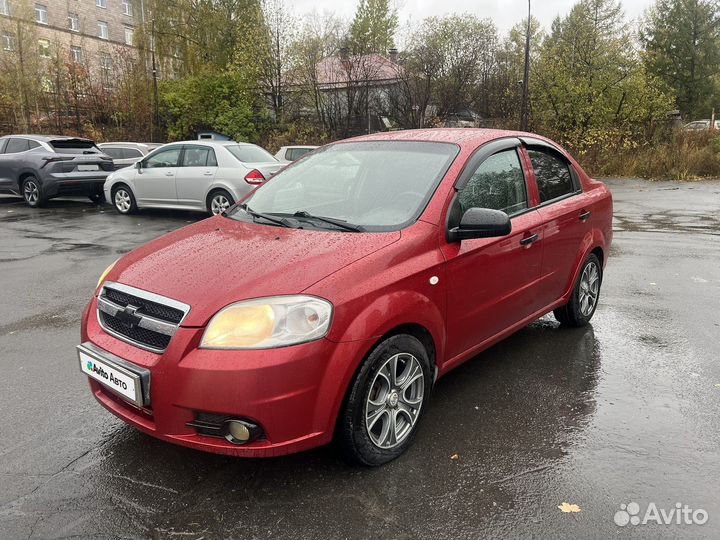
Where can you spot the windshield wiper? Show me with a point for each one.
(272, 219)
(332, 221)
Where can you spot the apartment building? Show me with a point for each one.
(92, 32)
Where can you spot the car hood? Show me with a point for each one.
(218, 261)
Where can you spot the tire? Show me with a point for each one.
(123, 199)
(585, 296)
(364, 427)
(218, 201)
(32, 192)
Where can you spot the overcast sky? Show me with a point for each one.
(505, 13)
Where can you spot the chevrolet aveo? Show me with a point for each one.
(327, 304)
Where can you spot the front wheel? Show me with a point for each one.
(584, 299)
(124, 200)
(386, 400)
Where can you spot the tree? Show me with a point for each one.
(373, 28)
(589, 79)
(681, 39)
(276, 58)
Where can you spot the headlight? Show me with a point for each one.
(105, 273)
(266, 323)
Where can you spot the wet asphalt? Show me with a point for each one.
(624, 410)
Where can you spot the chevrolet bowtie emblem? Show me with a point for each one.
(129, 316)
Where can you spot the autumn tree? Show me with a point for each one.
(681, 39)
(373, 28)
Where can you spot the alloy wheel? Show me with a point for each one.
(122, 200)
(393, 404)
(219, 204)
(589, 288)
(31, 192)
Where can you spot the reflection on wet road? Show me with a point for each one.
(625, 410)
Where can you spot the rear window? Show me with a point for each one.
(249, 153)
(74, 146)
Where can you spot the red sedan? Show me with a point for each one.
(328, 303)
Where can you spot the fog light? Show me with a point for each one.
(241, 432)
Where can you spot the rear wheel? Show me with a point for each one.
(123, 199)
(32, 192)
(386, 399)
(218, 201)
(584, 299)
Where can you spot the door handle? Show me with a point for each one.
(529, 240)
(585, 215)
(208, 173)
(169, 174)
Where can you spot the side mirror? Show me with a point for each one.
(481, 223)
(139, 165)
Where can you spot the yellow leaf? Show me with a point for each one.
(454, 456)
(567, 507)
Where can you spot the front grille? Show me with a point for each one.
(143, 319)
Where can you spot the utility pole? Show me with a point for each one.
(154, 75)
(526, 78)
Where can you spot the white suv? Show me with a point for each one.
(191, 175)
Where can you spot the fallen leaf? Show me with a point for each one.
(717, 386)
(567, 507)
(454, 456)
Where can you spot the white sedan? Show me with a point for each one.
(191, 175)
(288, 154)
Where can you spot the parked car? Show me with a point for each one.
(191, 175)
(40, 167)
(125, 154)
(288, 154)
(329, 302)
(701, 125)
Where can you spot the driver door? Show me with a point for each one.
(155, 180)
(492, 282)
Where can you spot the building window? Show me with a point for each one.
(8, 41)
(4, 7)
(103, 30)
(41, 14)
(74, 22)
(44, 46)
(127, 7)
(105, 62)
(101, 3)
(128, 35)
(76, 54)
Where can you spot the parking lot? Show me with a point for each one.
(623, 410)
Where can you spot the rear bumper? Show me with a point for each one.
(293, 393)
(61, 183)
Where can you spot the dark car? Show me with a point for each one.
(40, 167)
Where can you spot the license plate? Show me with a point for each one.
(116, 378)
(87, 168)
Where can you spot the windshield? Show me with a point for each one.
(377, 185)
(248, 153)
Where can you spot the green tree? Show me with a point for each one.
(373, 28)
(681, 39)
(589, 81)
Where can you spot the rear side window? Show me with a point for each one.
(3, 142)
(115, 153)
(498, 184)
(553, 175)
(249, 153)
(74, 146)
(199, 156)
(296, 153)
(16, 145)
(33, 144)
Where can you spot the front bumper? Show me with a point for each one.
(293, 393)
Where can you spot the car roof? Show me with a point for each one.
(301, 146)
(47, 138)
(464, 137)
(149, 145)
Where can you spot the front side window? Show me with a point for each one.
(378, 185)
(163, 158)
(44, 46)
(198, 156)
(8, 41)
(103, 32)
(497, 184)
(553, 175)
(41, 14)
(74, 22)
